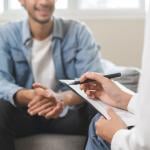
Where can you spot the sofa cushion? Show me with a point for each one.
(51, 142)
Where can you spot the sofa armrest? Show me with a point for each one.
(130, 75)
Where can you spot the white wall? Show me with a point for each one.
(121, 39)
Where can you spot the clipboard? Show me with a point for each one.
(101, 107)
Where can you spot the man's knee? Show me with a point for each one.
(6, 107)
(6, 113)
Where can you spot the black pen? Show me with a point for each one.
(109, 76)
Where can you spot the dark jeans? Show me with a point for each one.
(15, 123)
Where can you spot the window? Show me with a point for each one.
(62, 4)
(86, 4)
(14, 4)
(87, 7)
(1, 7)
(109, 4)
(147, 5)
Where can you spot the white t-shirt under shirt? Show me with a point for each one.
(42, 63)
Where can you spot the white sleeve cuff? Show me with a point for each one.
(133, 104)
(119, 139)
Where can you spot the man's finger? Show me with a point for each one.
(34, 101)
(41, 108)
(44, 112)
(40, 104)
(38, 85)
(45, 93)
(50, 114)
(54, 112)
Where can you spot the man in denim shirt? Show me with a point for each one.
(43, 49)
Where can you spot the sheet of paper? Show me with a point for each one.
(126, 116)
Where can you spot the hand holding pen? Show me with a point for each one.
(104, 89)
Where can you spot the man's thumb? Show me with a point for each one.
(38, 85)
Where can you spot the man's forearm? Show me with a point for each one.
(70, 98)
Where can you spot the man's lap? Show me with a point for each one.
(22, 124)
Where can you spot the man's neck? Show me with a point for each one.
(41, 31)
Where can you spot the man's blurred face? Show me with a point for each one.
(40, 11)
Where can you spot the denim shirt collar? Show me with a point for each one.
(26, 33)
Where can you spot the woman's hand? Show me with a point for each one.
(105, 90)
(106, 129)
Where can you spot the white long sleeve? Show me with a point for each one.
(132, 106)
(138, 138)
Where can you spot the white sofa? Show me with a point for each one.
(129, 78)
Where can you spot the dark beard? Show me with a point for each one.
(42, 21)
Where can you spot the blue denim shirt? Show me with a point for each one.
(74, 53)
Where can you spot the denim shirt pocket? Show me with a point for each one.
(21, 65)
(17, 55)
(69, 55)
